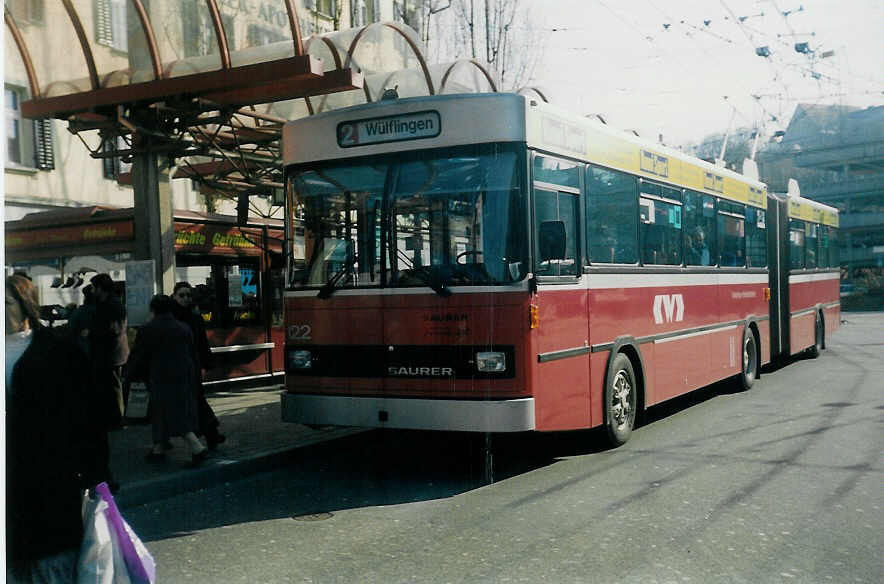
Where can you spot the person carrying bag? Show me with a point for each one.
(111, 553)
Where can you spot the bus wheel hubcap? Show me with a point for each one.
(620, 402)
(746, 358)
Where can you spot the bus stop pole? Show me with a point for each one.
(154, 224)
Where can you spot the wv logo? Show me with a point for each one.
(668, 308)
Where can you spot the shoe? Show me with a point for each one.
(167, 445)
(199, 457)
(155, 456)
(215, 440)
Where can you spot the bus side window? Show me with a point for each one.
(834, 259)
(810, 244)
(823, 255)
(796, 244)
(731, 234)
(756, 237)
(611, 216)
(699, 229)
(660, 225)
(551, 206)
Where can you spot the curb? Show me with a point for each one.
(219, 470)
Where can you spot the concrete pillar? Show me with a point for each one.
(154, 224)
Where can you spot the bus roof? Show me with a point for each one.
(408, 124)
(809, 210)
(561, 132)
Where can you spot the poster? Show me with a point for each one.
(140, 288)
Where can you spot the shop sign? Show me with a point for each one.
(206, 238)
(73, 235)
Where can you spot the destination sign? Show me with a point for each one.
(426, 124)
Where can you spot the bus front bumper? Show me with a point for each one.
(511, 415)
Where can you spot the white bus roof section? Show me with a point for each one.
(462, 119)
(561, 132)
(810, 210)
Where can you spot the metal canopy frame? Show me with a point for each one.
(208, 121)
(209, 115)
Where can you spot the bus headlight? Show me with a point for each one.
(300, 359)
(491, 362)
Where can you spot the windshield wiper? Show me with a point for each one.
(432, 280)
(347, 269)
(329, 287)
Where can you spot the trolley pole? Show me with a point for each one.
(154, 224)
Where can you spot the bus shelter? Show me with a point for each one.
(236, 271)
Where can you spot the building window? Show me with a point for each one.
(198, 30)
(14, 139)
(326, 7)
(44, 152)
(110, 24)
(26, 11)
(365, 12)
(258, 36)
(29, 143)
(113, 166)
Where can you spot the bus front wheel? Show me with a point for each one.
(620, 400)
(750, 360)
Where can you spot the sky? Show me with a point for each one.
(700, 74)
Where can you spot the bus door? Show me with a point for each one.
(561, 380)
(778, 258)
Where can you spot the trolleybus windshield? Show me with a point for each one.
(437, 218)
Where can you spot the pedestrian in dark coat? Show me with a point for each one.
(54, 436)
(80, 321)
(109, 344)
(164, 355)
(182, 294)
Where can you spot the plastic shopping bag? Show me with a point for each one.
(139, 562)
(111, 552)
(100, 560)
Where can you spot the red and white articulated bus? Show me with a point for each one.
(489, 263)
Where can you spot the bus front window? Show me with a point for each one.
(448, 218)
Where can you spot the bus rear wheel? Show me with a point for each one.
(818, 334)
(620, 400)
(750, 360)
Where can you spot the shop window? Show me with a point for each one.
(227, 293)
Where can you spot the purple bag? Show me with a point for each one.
(139, 563)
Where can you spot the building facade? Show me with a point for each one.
(837, 155)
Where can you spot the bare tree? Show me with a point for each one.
(503, 33)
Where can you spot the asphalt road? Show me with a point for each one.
(782, 483)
